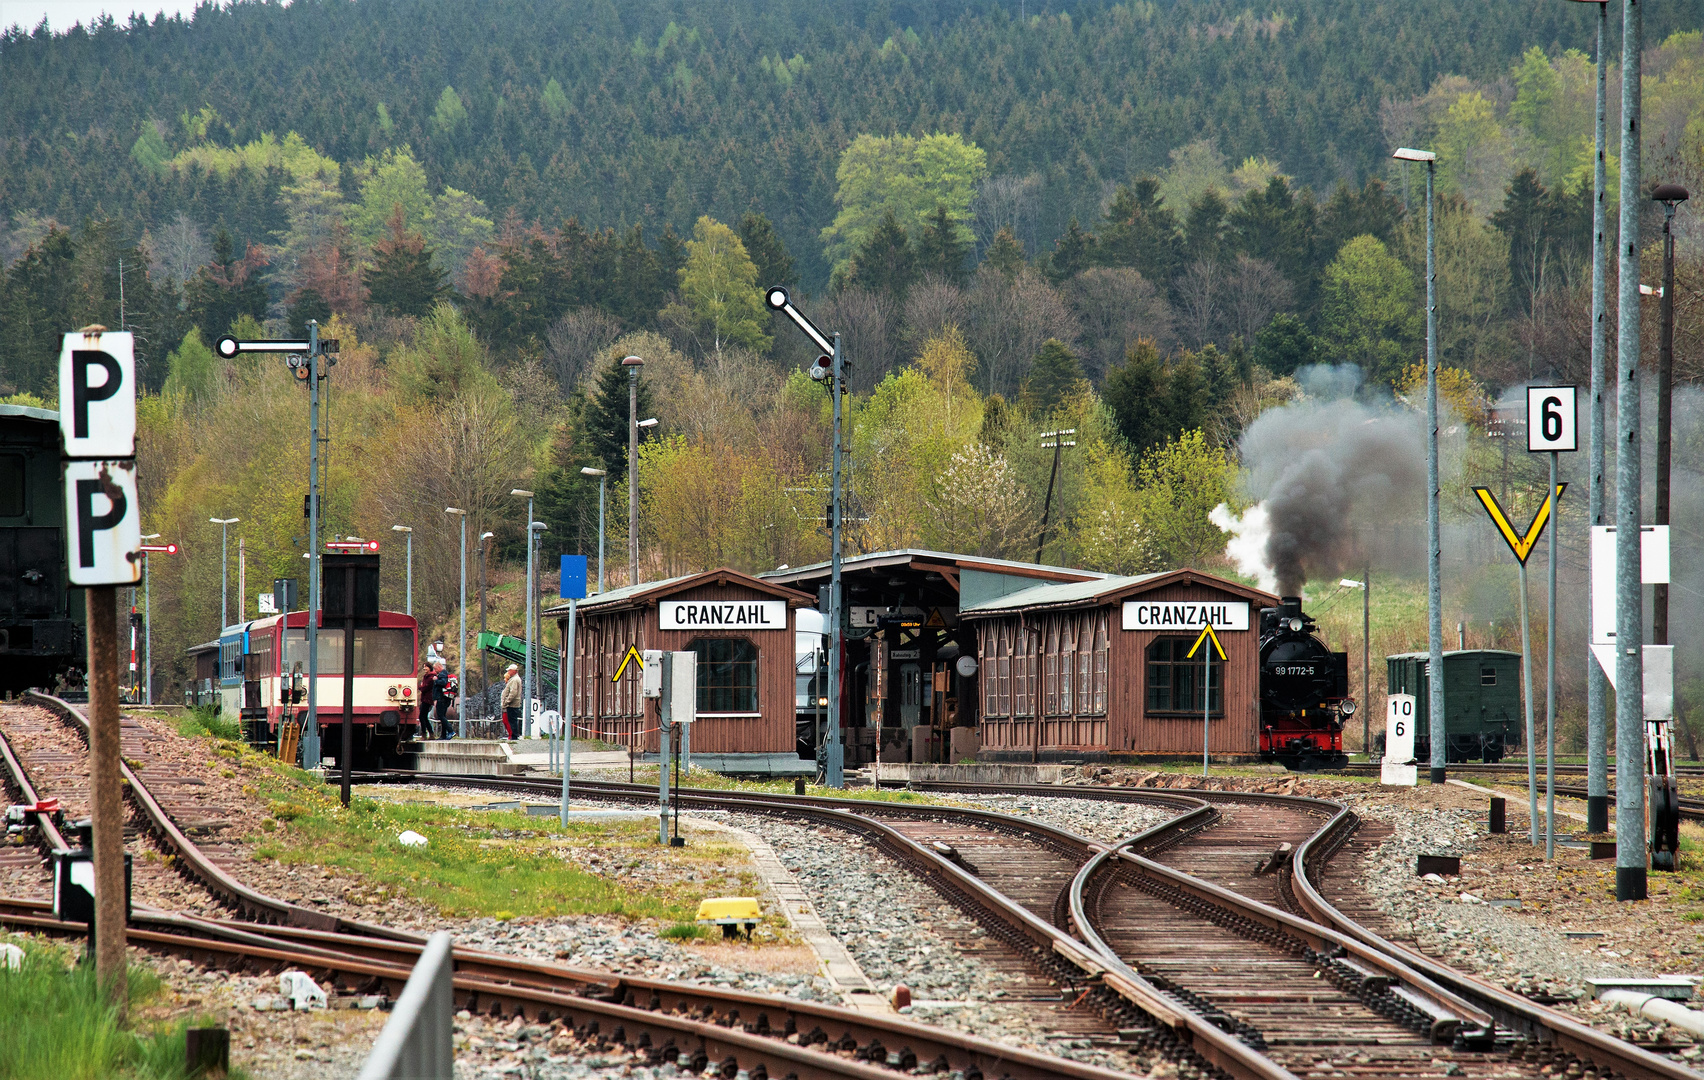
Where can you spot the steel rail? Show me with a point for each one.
(751, 1029)
(1511, 1010)
(195, 864)
(51, 836)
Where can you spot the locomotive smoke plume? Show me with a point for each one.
(1316, 467)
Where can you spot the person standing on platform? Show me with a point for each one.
(512, 691)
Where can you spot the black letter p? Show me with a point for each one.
(87, 521)
(82, 393)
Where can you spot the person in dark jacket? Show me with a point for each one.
(438, 689)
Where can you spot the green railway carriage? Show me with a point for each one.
(1482, 701)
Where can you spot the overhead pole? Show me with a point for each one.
(1597, 683)
(632, 364)
(311, 730)
(1630, 855)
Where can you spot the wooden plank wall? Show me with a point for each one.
(601, 640)
(1125, 729)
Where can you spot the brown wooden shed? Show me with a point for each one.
(742, 630)
(1104, 665)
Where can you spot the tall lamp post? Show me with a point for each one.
(1366, 587)
(484, 653)
(632, 364)
(409, 598)
(603, 480)
(225, 566)
(1630, 840)
(461, 642)
(1434, 568)
(1670, 195)
(535, 535)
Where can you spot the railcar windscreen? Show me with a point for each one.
(377, 652)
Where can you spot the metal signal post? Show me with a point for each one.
(830, 368)
(305, 362)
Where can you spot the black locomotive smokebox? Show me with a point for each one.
(1443, 865)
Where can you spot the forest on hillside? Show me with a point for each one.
(1152, 223)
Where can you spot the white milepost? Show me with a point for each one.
(1552, 419)
(1398, 767)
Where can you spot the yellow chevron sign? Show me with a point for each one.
(632, 657)
(1521, 545)
(1207, 632)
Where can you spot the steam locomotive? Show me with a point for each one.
(1304, 691)
(41, 616)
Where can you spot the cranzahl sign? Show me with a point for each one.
(1139, 615)
(719, 615)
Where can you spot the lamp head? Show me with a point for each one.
(455, 510)
(650, 423)
(589, 471)
(401, 528)
(522, 492)
(486, 535)
(1670, 194)
(632, 362)
(1404, 153)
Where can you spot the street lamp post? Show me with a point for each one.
(409, 532)
(1670, 195)
(527, 619)
(632, 364)
(1366, 587)
(1434, 568)
(461, 643)
(224, 568)
(148, 629)
(1630, 845)
(535, 531)
(1597, 684)
(603, 479)
(484, 653)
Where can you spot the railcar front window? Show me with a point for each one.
(389, 651)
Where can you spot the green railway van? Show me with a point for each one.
(1482, 701)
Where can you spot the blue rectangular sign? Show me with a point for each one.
(573, 577)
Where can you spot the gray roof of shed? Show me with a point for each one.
(906, 555)
(29, 411)
(1071, 593)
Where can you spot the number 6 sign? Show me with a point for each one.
(1551, 419)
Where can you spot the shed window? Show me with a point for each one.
(727, 675)
(1487, 676)
(11, 485)
(1174, 679)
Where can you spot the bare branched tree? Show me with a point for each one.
(1114, 307)
(1200, 302)
(978, 504)
(1008, 202)
(932, 305)
(1006, 321)
(868, 323)
(1257, 291)
(179, 249)
(574, 339)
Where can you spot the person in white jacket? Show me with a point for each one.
(512, 691)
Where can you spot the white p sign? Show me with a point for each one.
(103, 523)
(1551, 419)
(97, 395)
(1399, 729)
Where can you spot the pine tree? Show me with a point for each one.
(940, 247)
(605, 429)
(1204, 231)
(1073, 253)
(1055, 377)
(226, 288)
(1285, 344)
(1005, 254)
(1151, 403)
(403, 277)
(1141, 232)
(768, 252)
(885, 262)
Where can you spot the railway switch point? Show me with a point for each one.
(731, 913)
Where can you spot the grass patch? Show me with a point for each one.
(206, 720)
(59, 1026)
(495, 863)
(685, 931)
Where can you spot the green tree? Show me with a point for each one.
(1204, 231)
(394, 180)
(150, 151)
(767, 250)
(1276, 223)
(907, 176)
(403, 278)
(1072, 253)
(1368, 314)
(192, 369)
(940, 249)
(445, 360)
(226, 288)
(719, 284)
(459, 222)
(605, 429)
(1140, 232)
(885, 261)
(1285, 344)
(555, 101)
(450, 114)
(1005, 254)
(1177, 485)
(1055, 378)
(1150, 401)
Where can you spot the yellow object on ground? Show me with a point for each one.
(727, 909)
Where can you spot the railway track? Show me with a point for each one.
(1363, 996)
(1471, 767)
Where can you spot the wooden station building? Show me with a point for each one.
(740, 627)
(1099, 670)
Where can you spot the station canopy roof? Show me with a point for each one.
(649, 592)
(927, 579)
(1107, 590)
